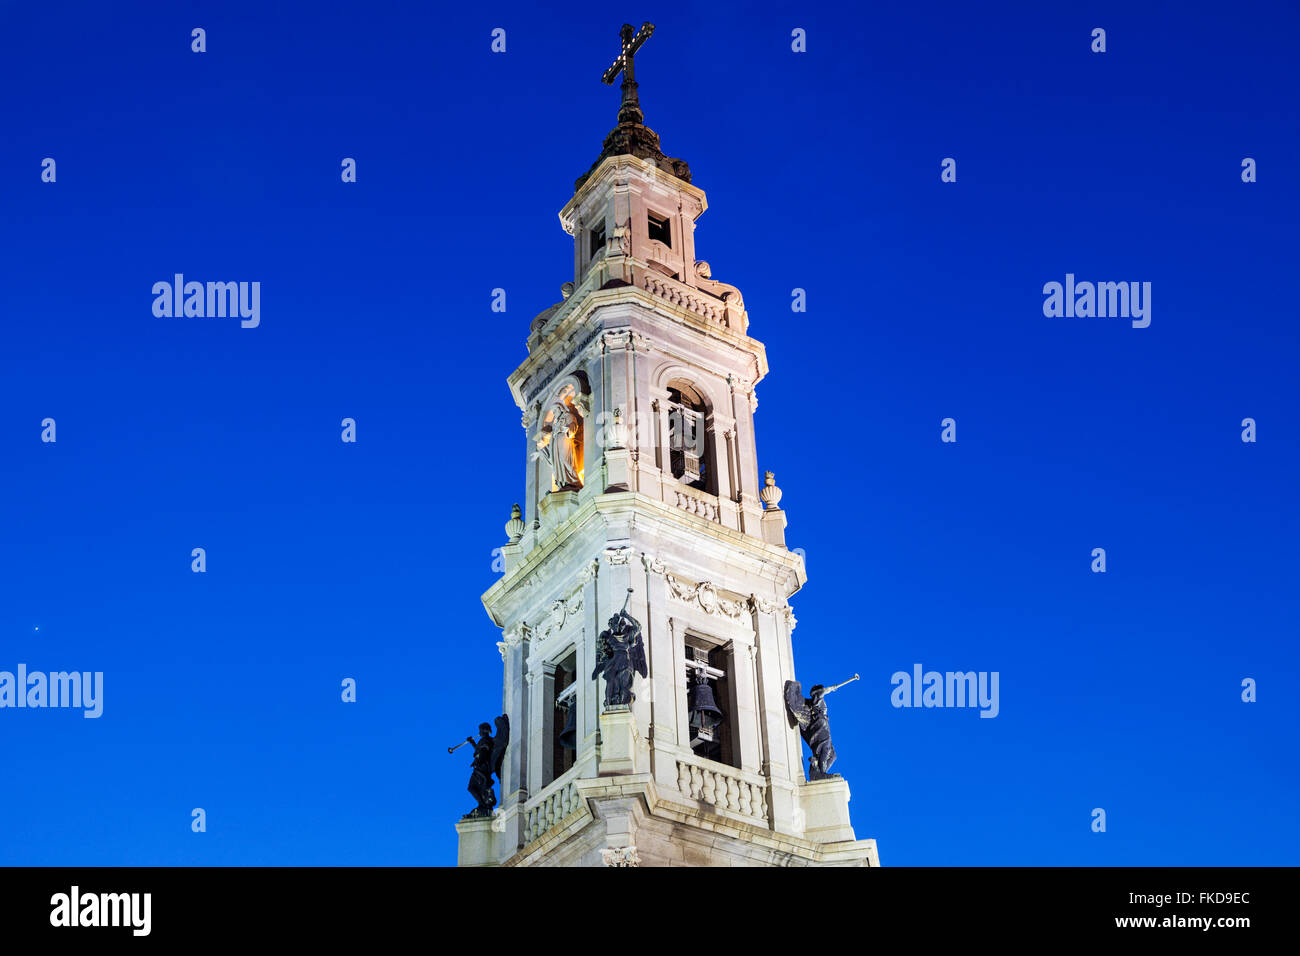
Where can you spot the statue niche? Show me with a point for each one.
(560, 443)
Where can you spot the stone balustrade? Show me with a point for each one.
(549, 807)
(725, 788)
(680, 294)
(706, 506)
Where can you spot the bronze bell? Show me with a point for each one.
(569, 735)
(704, 712)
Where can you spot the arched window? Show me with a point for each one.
(690, 443)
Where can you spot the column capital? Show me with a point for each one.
(736, 383)
(618, 555)
(513, 636)
(622, 856)
(626, 339)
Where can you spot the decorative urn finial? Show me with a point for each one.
(770, 493)
(515, 526)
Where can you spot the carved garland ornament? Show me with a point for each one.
(558, 615)
(706, 597)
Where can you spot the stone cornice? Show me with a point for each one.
(560, 350)
(670, 526)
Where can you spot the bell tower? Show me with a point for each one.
(642, 498)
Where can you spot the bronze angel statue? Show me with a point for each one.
(620, 653)
(814, 724)
(489, 754)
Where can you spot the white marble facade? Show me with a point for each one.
(705, 560)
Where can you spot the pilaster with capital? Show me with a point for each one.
(532, 477)
(662, 685)
(589, 699)
(532, 731)
(677, 641)
(661, 436)
(723, 430)
(746, 483)
(642, 442)
(617, 364)
(745, 688)
(785, 623)
(514, 651)
(778, 740)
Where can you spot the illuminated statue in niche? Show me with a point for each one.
(560, 446)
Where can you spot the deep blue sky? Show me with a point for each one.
(328, 560)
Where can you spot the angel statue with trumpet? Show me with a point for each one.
(489, 754)
(620, 653)
(814, 724)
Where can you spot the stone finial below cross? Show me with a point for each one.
(629, 110)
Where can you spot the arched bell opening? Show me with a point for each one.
(691, 445)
